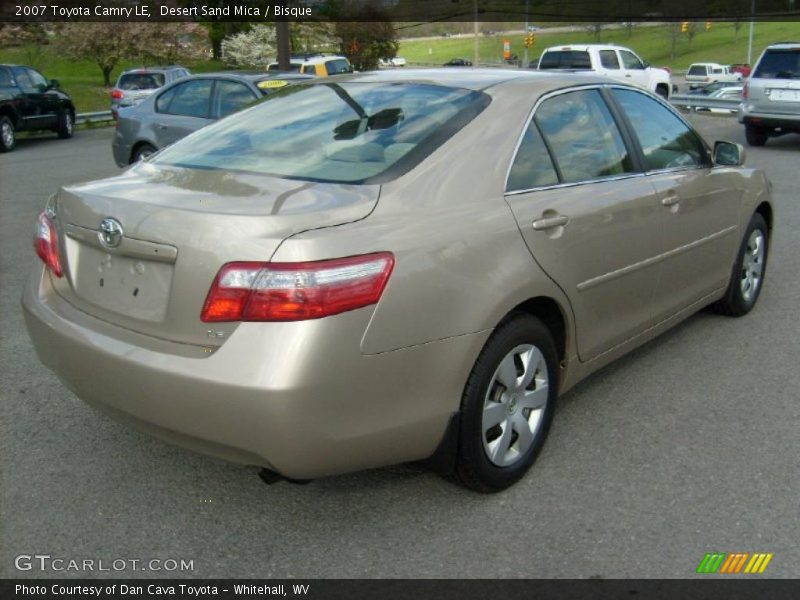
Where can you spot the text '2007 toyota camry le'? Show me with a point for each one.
(386, 267)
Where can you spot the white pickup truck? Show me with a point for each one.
(614, 62)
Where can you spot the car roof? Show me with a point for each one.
(472, 79)
(586, 47)
(783, 45)
(152, 69)
(251, 75)
(705, 64)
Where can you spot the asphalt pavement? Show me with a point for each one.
(689, 445)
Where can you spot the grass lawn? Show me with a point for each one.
(720, 44)
(82, 80)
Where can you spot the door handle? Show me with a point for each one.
(670, 199)
(162, 126)
(627, 74)
(550, 222)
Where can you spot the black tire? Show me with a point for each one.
(142, 151)
(66, 124)
(8, 136)
(738, 302)
(755, 136)
(474, 468)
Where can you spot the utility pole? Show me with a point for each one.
(750, 40)
(525, 55)
(284, 45)
(475, 36)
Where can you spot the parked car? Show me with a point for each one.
(246, 294)
(321, 65)
(614, 62)
(29, 102)
(397, 61)
(134, 85)
(771, 95)
(718, 89)
(742, 68)
(187, 105)
(700, 74)
(458, 62)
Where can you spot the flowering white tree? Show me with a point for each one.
(254, 48)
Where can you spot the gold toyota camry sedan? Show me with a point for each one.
(387, 267)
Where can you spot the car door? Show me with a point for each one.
(700, 201)
(633, 69)
(589, 218)
(610, 65)
(48, 99)
(31, 105)
(181, 110)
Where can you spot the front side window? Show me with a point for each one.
(346, 133)
(583, 136)
(190, 99)
(666, 141)
(232, 96)
(37, 79)
(532, 166)
(630, 60)
(609, 60)
(5, 78)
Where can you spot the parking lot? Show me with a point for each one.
(689, 445)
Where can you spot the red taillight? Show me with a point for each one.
(746, 90)
(45, 241)
(256, 291)
(117, 94)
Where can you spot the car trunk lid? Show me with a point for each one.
(142, 249)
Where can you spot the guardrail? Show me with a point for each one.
(93, 117)
(696, 101)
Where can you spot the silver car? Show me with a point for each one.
(386, 267)
(187, 105)
(135, 85)
(771, 105)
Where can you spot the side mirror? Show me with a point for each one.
(728, 154)
(645, 64)
(53, 85)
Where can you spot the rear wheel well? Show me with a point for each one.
(136, 147)
(662, 89)
(549, 312)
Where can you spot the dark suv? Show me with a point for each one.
(29, 102)
(771, 96)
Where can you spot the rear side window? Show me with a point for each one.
(779, 64)
(140, 81)
(23, 81)
(532, 165)
(609, 60)
(346, 133)
(5, 78)
(565, 59)
(666, 141)
(697, 70)
(583, 136)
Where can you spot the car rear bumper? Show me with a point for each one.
(299, 398)
(751, 114)
(122, 153)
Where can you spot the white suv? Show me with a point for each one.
(771, 96)
(701, 74)
(614, 62)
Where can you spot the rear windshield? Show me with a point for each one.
(779, 64)
(141, 81)
(565, 59)
(337, 132)
(697, 70)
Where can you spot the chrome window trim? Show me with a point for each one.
(542, 98)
